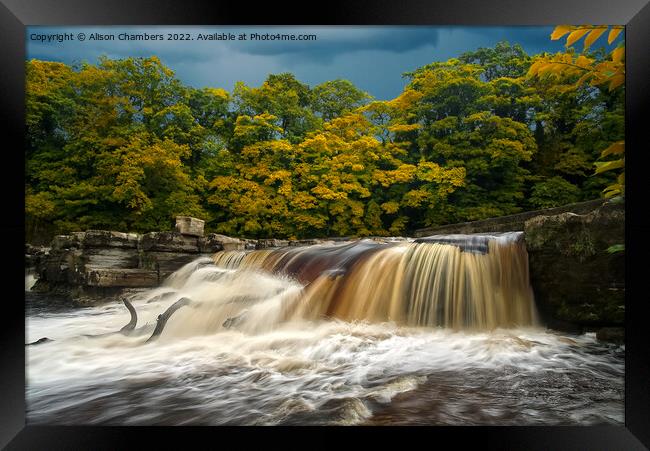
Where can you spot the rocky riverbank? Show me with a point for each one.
(576, 278)
(95, 264)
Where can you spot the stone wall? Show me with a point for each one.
(511, 223)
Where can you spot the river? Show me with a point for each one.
(260, 343)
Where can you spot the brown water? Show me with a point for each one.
(480, 284)
(439, 332)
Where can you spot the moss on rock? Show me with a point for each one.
(574, 278)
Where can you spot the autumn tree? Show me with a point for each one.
(582, 69)
(115, 161)
(285, 98)
(123, 144)
(458, 126)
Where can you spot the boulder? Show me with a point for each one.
(250, 245)
(215, 243)
(61, 242)
(187, 225)
(574, 277)
(611, 334)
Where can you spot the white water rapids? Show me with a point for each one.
(265, 371)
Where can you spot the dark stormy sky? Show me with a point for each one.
(372, 57)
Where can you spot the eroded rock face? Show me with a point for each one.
(126, 278)
(61, 242)
(35, 255)
(169, 242)
(107, 238)
(102, 261)
(575, 279)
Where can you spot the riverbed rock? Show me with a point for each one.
(107, 238)
(306, 242)
(574, 277)
(271, 243)
(249, 245)
(61, 242)
(125, 278)
(165, 263)
(611, 334)
(169, 242)
(214, 242)
(229, 243)
(35, 255)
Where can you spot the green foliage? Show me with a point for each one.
(553, 192)
(125, 145)
(569, 73)
(337, 97)
(616, 248)
(502, 61)
(283, 97)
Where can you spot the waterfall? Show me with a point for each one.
(454, 281)
(363, 332)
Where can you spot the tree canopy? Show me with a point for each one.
(123, 144)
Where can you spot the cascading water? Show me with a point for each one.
(438, 330)
(476, 282)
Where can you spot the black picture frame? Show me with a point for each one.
(15, 15)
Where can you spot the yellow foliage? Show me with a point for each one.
(390, 207)
(416, 197)
(609, 165)
(560, 31)
(616, 81)
(593, 35)
(405, 100)
(613, 34)
(616, 148)
(575, 35)
(218, 92)
(397, 128)
(618, 54)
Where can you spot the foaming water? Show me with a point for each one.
(337, 334)
(30, 281)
